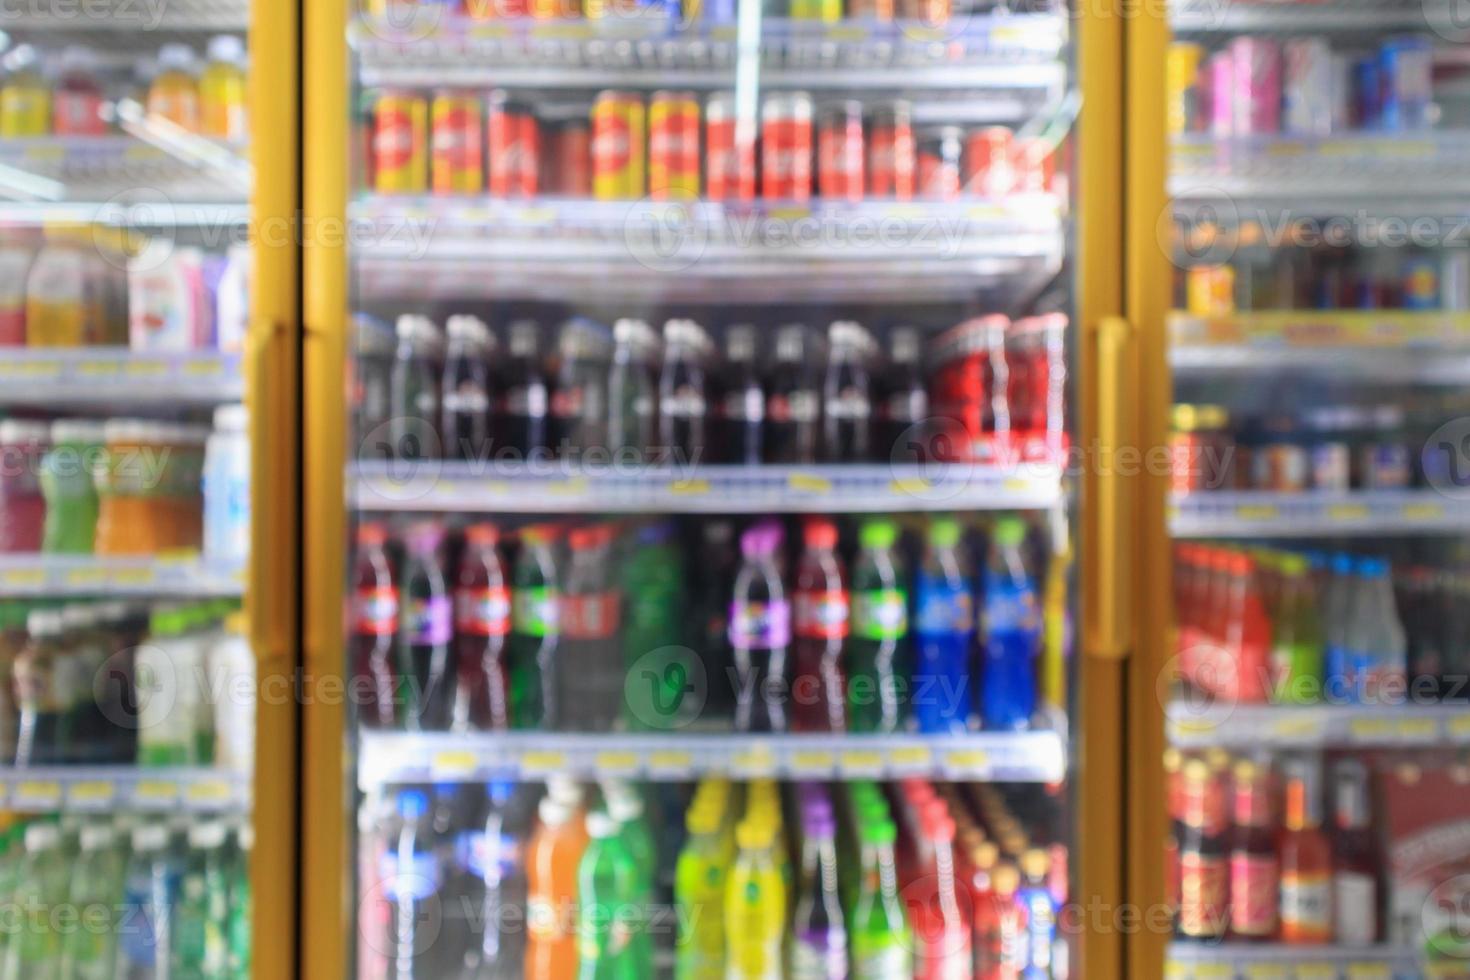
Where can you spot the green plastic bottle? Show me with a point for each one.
(1296, 649)
(881, 946)
(200, 948)
(626, 807)
(34, 952)
(699, 894)
(67, 485)
(240, 904)
(534, 603)
(880, 625)
(610, 916)
(90, 952)
(653, 608)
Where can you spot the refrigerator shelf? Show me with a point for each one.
(1266, 16)
(1276, 726)
(558, 488)
(393, 758)
(1247, 513)
(27, 576)
(137, 210)
(108, 789)
(154, 167)
(126, 22)
(114, 376)
(1255, 961)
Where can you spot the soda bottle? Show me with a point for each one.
(760, 632)
(625, 806)
(376, 835)
(590, 661)
(374, 626)
(414, 390)
(755, 904)
(699, 891)
(610, 915)
(76, 104)
(222, 95)
(425, 633)
(1012, 627)
(1355, 861)
(1337, 606)
(1375, 636)
(484, 853)
(45, 718)
(1204, 869)
(580, 404)
(482, 615)
(1254, 874)
(847, 403)
(742, 415)
(793, 401)
(34, 953)
(411, 884)
(653, 600)
(880, 626)
(468, 389)
(904, 404)
(552, 865)
(1240, 670)
(150, 895)
(241, 902)
(521, 418)
(882, 947)
(944, 621)
(535, 608)
(174, 94)
(1306, 861)
(201, 945)
(818, 691)
(374, 347)
(96, 886)
(1296, 650)
(819, 936)
(25, 96)
(632, 390)
(683, 410)
(1004, 957)
(941, 929)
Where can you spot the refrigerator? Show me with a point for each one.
(149, 403)
(686, 386)
(1298, 723)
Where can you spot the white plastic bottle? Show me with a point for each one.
(232, 301)
(227, 488)
(232, 691)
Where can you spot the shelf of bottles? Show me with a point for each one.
(1259, 961)
(1265, 514)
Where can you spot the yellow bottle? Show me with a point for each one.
(174, 94)
(222, 100)
(58, 313)
(25, 98)
(755, 906)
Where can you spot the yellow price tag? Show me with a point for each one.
(82, 578)
(1417, 729)
(148, 368)
(1369, 971)
(667, 761)
(1459, 726)
(209, 791)
(911, 487)
(93, 792)
(1266, 971)
(1214, 971)
(755, 762)
(454, 763)
(789, 214)
(35, 793)
(204, 368)
(847, 32)
(689, 488)
(809, 762)
(156, 791)
(577, 484)
(1316, 971)
(862, 762)
(96, 369)
(911, 757)
(541, 761)
(1257, 512)
(1297, 727)
(1371, 729)
(1347, 512)
(25, 578)
(489, 32)
(134, 576)
(966, 760)
(1423, 512)
(807, 483)
(617, 763)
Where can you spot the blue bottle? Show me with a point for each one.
(1012, 632)
(944, 618)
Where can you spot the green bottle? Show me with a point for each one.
(654, 602)
(67, 486)
(90, 951)
(237, 888)
(34, 952)
(534, 602)
(1296, 647)
(881, 946)
(626, 807)
(609, 915)
(200, 948)
(699, 895)
(880, 625)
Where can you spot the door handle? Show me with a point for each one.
(1109, 619)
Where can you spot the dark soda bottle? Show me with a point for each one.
(818, 692)
(1204, 867)
(535, 627)
(793, 401)
(682, 393)
(44, 721)
(847, 403)
(760, 632)
(481, 626)
(590, 659)
(714, 576)
(521, 423)
(903, 408)
(1355, 858)
(372, 386)
(425, 633)
(632, 390)
(1255, 875)
(742, 414)
(374, 628)
(468, 389)
(579, 405)
(880, 626)
(416, 397)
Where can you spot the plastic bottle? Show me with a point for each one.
(632, 390)
(17, 251)
(1040, 907)
(468, 389)
(168, 666)
(683, 403)
(35, 951)
(61, 302)
(521, 416)
(653, 605)
(76, 103)
(942, 926)
(1005, 954)
(1243, 673)
(1337, 605)
(227, 487)
(232, 670)
(25, 97)
(755, 905)
(425, 633)
(416, 398)
(1012, 626)
(741, 419)
(944, 624)
(880, 625)
(482, 615)
(232, 301)
(1296, 650)
(150, 896)
(222, 91)
(241, 903)
(485, 853)
(1375, 636)
(760, 632)
(590, 659)
(847, 398)
(201, 945)
(24, 446)
(535, 626)
(819, 936)
(882, 947)
(45, 716)
(793, 401)
(609, 916)
(903, 405)
(412, 885)
(625, 806)
(552, 865)
(374, 620)
(823, 619)
(95, 890)
(699, 893)
(714, 583)
(174, 93)
(66, 484)
(580, 403)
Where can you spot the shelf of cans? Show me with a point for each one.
(108, 375)
(34, 575)
(1204, 722)
(397, 758)
(1274, 961)
(1264, 514)
(105, 789)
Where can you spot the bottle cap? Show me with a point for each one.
(624, 807)
(176, 57)
(424, 537)
(685, 333)
(150, 837)
(226, 48)
(655, 533)
(553, 813)
(819, 824)
(761, 540)
(820, 534)
(944, 532)
(42, 836)
(878, 535)
(207, 836)
(470, 330)
(1010, 532)
(564, 789)
(13, 431)
(85, 431)
(752, 835)
(97, 837)
(412, 804)
(984, 855)
(44, 623)
(372, 534)
(1035, 863)
(1005, 879)
(591, 536)
(1293, 565)
(601, 825)
(483, 535)
(878, 832)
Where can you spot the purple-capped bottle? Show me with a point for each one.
(425, 632)
(819, 939)
(760, 632)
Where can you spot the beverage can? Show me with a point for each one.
(1420, 283)
(826, 11)
(932, 13)
(1454, 280)
(1210, 290)
(840, 151)
(673, 146)
(1308, 88)
(1280, 467)
(892, 153)
(1221, 73)
(875, 10)
(1332, 466)
(1035, 166)
(786, 146)
(940, 151)
(619, 142)
(990, 161)
(401, 143)
(1368, 92)
(1256, 99)
(729, 151)
(570, 159)
(969, 381)
(515, 147)
(1406, 75)
(457, 142)
(1181, 78)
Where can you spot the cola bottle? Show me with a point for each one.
(632, 389)
(468, 391)
(760, 632)
(481, 627)
(847, 404)
(415, 390)
(374, 626)
(579, 405)
(521, 422)
(793, 401)
(903, 407)
(742, 416)
(425, 632)
(682, 404)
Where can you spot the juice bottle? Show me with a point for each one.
(755, 904)
(425, 632)
(699, 893)
(1005, 954)
(167, 667)
(535, 607)
(1247, 641)
(76, 105)
(882, 948)
(521, 426)
(1204, 870)
(610, 916)
(175, 501)
(760, 632)
(1306, 861)
(174, 94)
(24, 445)
(553, 860)
(17, 251)
(944, 623)
(25, 97)
(222, 91)
(904, 404)
(1036, 899)
(482, 611)
(61, 311)
(822, 613)
(880, 625)
(66, 484)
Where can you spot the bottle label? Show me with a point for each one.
(375, 611)
(941, 607)
(466, 399)
(483, 611)
(1011, 607)
(822, 615)
(1355, 905)
(685, 402)
(880, 614)
(1204, 883)
(545, 921)
(745, 406)
(535, 611)
(1254, 880)
(526, 401)
(429, 621)
(849, 403)
(906, 406)
(795, 406)
(818, 955)
(884, 957)
(1306, 906)
(489, 857)
(760, 625)
(411, 881)
(590, 617)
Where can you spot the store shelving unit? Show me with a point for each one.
(1260, 514)
(118, 376)
(105, 789)
(1242, 961)
(35, 576)
(1203, 723)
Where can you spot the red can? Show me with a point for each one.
(569, 162)
(879, 10)
(673, 146)
(456, 144)
(840, 156)
(970, 384)
(515, 147)
(401, 143)
(729, 151)
(1036, 371)
(786, 147)
(933, 13)
(939, 163)
(989, 162)
(892, 155)
(1035, 166)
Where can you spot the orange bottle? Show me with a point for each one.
(124, 514)
(551, 886)
(1306, 862)
(174, 94)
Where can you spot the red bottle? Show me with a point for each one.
(481, 628)
(940, 917)
(1355, 858)
(1255, 874)
(1306, 863)
(374, 627)
(1240, 669)
(818, 689)
(1204, 883)
(1003, 954)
